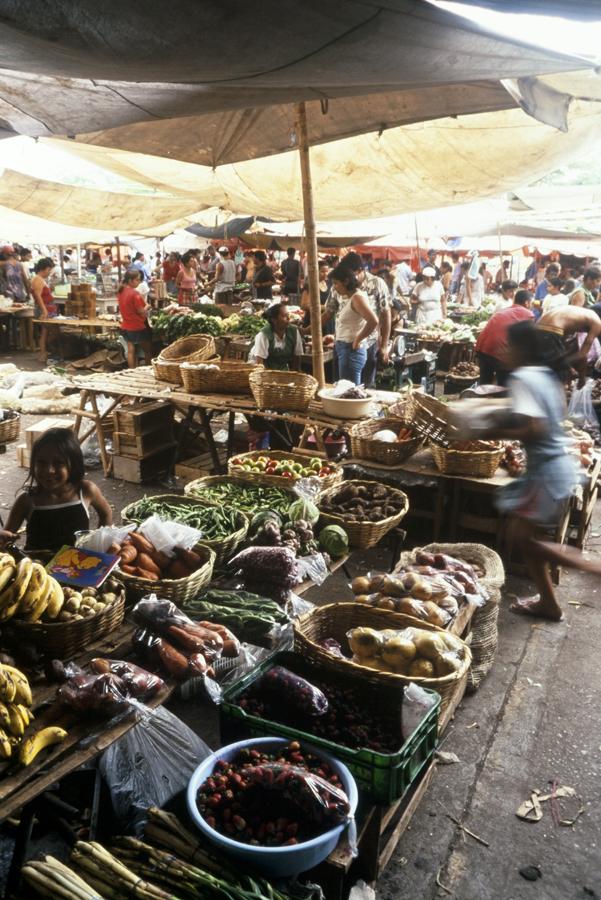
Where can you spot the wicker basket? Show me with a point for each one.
(10, 426)
(484, 637)
(63, 640)
(334, 620)
(364, 447)
(284, 391)
(230, 377)
(326, 481)
(222, 548)
(193, 348)
(363, 535)
(429, 417)
(194, 488)
(178, 590)
(473, 463)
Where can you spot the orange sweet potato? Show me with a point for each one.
(144, 561)
(141, 543)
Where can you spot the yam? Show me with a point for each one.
(160, 559)
(129, 570)
(364, 642)
(128, 554)
(398, 650)
(421, 668)
(144, 573)
(178, 569)
(429, 644)
(436, 615)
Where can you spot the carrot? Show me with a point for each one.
(141, 543)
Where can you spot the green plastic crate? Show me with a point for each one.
(384, 777)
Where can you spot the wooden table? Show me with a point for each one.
(198, 410)
(87, 736)
(79, 324)
(23, 317)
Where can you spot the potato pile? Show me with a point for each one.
(88, 602)
(411, 651)
(138, 556)
(426, 598)
(366, 502)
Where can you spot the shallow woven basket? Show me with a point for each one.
(363, 535)
(364, 447)
(193, 348)
(481, 557)
(336, 619)
(326, 481)
(178, 590)
(10, 426)
(223, 547)
(284, 391)
(63, 640)
(231, 377)
(474, 463)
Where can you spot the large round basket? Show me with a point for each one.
(428, 416)
(10, 426)
(224, 376)
(178, 590)
(363, 535)
(63, 640)
(284, 391)
(199, 487)
(363, 446)
(193, 348)
(476, 463)
(325, 481)
(336, 619)
(487, 563)
(223, 547)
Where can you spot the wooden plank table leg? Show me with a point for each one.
(206, 424)
(83, 399)
(231, 430)
(107, 462)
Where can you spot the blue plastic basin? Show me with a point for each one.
(275, 861)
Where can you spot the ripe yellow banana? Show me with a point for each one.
(5, 745)
(41, 604)
(55, 600)
(47, 737)
(8, 687)
(12, 595)
(19, 679)
(7, 572)
(35, 589)
(26, 714)
(4, 716)
(17, 727)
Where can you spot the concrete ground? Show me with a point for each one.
(535, 721)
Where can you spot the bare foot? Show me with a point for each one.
(534, 606)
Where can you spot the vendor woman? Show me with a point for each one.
(278, 345)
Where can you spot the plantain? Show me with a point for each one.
(22, 689)
(5, 745)
(4, 716)
(55, 599)
(47, 737)
(36, 588)
(17, 727)
(12, 595)
(7, 573)
(41, 604)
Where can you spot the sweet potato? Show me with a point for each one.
(177, 569)
(141, 543)
(190, 559)
(129, 570)
(127, 554)
(143, 573)
(160, 559)
(144, 561)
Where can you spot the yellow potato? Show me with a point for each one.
(421, 668)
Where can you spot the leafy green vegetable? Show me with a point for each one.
(334, 540)
(303, 509)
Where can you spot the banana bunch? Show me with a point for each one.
(27, 591)
(15, 712)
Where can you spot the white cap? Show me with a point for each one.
(224, 250)
(429, 272)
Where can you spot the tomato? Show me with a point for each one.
(237, 461)
(323, 473)
(286, 474)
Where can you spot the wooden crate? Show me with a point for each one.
(141, 418)
(146, 469)
(138, 446)
(23, 456)
(198, 466)
(35, 431)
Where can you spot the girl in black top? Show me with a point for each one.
(55, 503)
(263, 278)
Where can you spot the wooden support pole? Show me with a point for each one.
(62, 262)
(310, 243)
(118, 258)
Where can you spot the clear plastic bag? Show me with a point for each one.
(416, 704)
(166, 536)
(313, 567)
(581, 410)
(109, 688)
(284, 687)
(321, 801)
(149, 765)
(102, 538)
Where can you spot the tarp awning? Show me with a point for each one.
(223, 91)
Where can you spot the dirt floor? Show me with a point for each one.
(534, 722)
